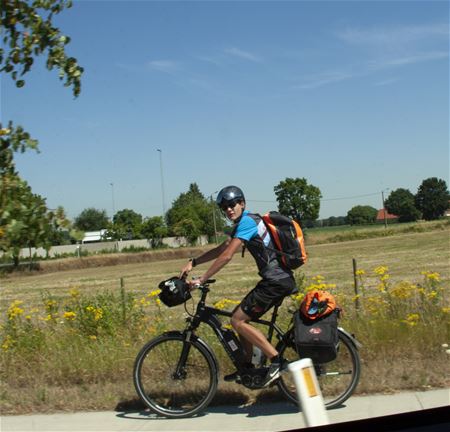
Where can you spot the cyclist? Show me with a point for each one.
(276, 281)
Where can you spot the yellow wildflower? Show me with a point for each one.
(7, 343)
(412, 319)
(381, 270)
(403, 290)
(74, 293)
(15, 310)
(432, 295)
(96, 312)
(154, 293)
(144, 301)
(69, 315)
(431, 276)
(360, 272)
(318, 278)
(222, 304)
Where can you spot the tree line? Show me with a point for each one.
(429, 203)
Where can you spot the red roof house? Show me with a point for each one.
(389, 216)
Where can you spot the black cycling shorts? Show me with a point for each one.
(265, 295)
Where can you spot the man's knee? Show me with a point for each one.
(238, 318)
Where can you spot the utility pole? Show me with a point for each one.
(384, 209)
(162, 181)
(214, 217)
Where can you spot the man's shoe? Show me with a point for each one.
(273, 373)
(231, 377)
(284, 365)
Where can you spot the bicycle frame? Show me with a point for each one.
(210, 316)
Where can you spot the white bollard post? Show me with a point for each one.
(308, 392)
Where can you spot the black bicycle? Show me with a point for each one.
(176, 374)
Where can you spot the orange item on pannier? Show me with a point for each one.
(317, 304)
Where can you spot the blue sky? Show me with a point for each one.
(353, 96)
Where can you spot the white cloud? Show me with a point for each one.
(401, 35)
(166, 66)
(386, 82)
(386, 48)
(406, 60)
(236, 52)
(325, 78)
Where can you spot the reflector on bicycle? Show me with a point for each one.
(174, 291)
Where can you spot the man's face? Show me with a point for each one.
(233, 209)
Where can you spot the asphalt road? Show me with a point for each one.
(258, 417)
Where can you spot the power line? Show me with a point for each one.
(351, 197)
(324, 199)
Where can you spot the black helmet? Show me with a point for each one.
(228, 195)
(174, 291)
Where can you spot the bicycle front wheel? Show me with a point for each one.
(175, 378)
(337, 379)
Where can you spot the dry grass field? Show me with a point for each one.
(406, 255)
(69, 371)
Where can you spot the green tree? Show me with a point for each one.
(24, 218)
(27, 32)
(362, 215)
(91, 219)
(192, 214)
(298, 199)
(60, 227)
(432, 198)
(154, 229)
(127, 224)
(400, 202)
(189, 228)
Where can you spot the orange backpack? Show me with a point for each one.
(317, 304)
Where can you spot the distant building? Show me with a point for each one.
(389, 217)
(94, 236)
(447, 212)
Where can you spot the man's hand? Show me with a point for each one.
(194, 283)
(186, 270)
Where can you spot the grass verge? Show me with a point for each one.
(69, 339)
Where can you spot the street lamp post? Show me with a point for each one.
(112, 196)
(214, 217)
(162, 181)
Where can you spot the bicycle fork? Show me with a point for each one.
(180, 370)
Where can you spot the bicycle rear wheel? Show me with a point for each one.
(337, 379)
(175, 378)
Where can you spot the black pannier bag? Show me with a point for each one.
(316, 339)
(174, 291)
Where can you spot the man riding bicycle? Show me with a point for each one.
(276, 281)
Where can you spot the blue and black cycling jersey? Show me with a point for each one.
(253, 232)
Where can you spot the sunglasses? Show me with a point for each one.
(229, 204)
